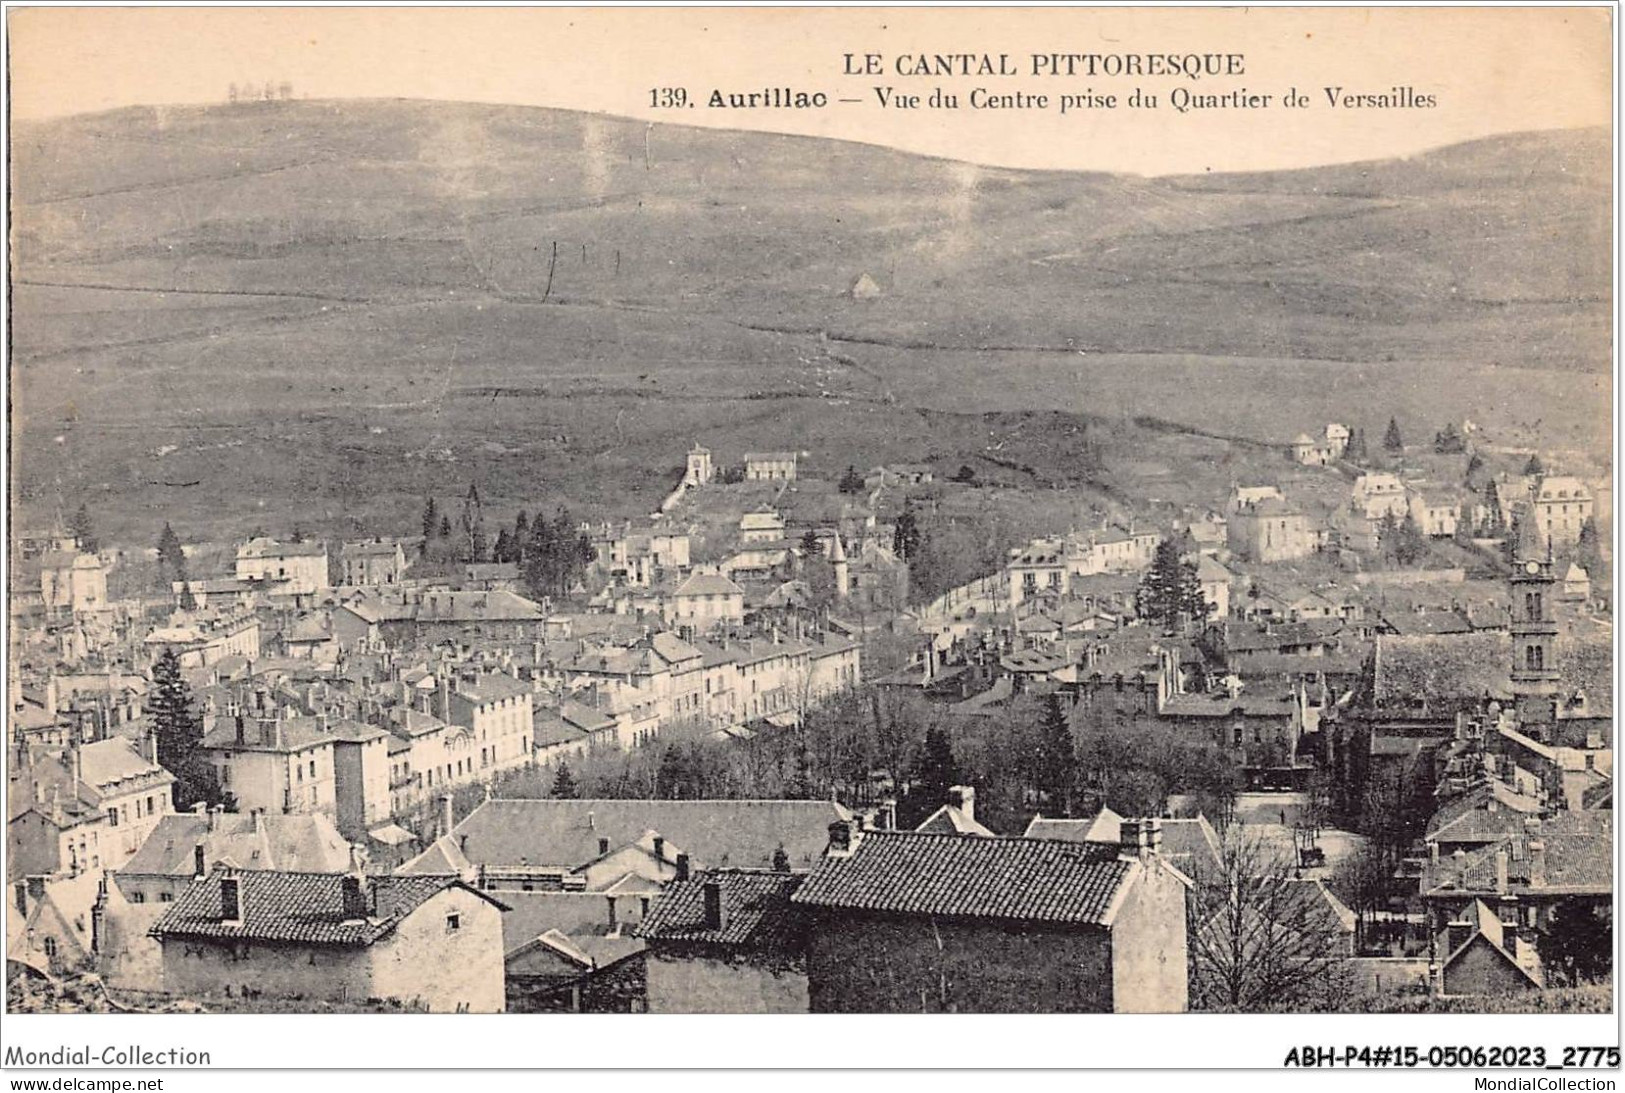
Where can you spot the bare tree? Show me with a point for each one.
(1261, 938)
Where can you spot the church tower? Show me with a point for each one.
(1535, 680)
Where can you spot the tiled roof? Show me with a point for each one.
(709, 584)
(1032, 880)
(105, 763)
(296, 734)
(353, 550)
(1578, 858)
(270, 548)
(756, 910)
(1470, 818)
(714, 833)
(491, 687)
(301, 908)
(949, 820)
(306, 843)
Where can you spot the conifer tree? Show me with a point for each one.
(1056, 759)
(84, 532)
(1391, 440)
(1171, 592)
(564, 783)
(179, 730)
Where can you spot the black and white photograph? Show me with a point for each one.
(787, 511)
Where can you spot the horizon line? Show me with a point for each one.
(46, 119)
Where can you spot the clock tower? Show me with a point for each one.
(1535, 680)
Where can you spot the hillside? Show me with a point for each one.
(368, 300)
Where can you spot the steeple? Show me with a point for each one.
(1535, 679)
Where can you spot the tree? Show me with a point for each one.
(472, 524)
(520, 537)
(1391, 440)
(1356, 451)
(179, 730)
(1578, 944)
(934, 773)
(1475, 464)
(1364, 882)
(504, 547)
(905, 540)
(1055, 761)
(431, 522)
(965, 474)
(445, 527)
(1534, 466)
(564, 783)
(851, 481)
(84, 532)
(1449, 440)
(811, 545)
(171, 558)
(1171, 593)
(781, 859)
(1260, 938)
(1588, 549)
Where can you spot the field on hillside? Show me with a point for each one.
(238, 317)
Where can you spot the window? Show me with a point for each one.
(138, 897)
(50, 947)
(454, 922)
(166, 897)
(112, 817)
(150, 809)
(1535, 658)
(313, 768)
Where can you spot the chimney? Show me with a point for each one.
(886, 817)
(682, 867)
(1537, 863)
(214, 817)
(716, 912)
(1141, 838)
(840, 839)
(1501, 871)
(443, 698)
(660, 848)
(231, 899)
(603, 846)
(351, 896)
(198, 868)
(964, 799)
(201, 808)
(446, 822)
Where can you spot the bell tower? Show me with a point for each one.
(1535, 680)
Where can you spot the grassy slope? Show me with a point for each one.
(337, 307)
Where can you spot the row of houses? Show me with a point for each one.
(641, 906)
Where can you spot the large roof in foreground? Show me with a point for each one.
(1030, 880)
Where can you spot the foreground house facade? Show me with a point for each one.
(912, 923)
(427, 941)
